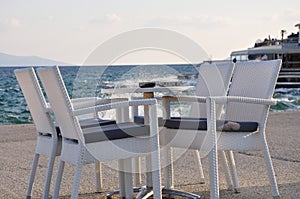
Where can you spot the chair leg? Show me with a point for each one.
(58, 179)
(128, 178)
(98, 177)
(213, 150)
(121, 178)
(169, 172)
(156, 175)
(233, 171)
(76, 182)
(270, 168)
(32, 174)
(227, 169)
(137, 171)
(148, 171)
(49, 172)
(213, 174)
(199, 164)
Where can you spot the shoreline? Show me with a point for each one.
(283, 128)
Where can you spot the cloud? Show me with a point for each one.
(287, 15)
(10, 23)
(206, 21)
(291, 15)
(113, 18)
(106, 19)
(15, 23)
(283, 20)
(50, 18)
(214, 21)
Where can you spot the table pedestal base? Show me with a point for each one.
(145, 192)
(176, 192)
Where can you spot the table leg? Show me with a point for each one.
(146, 191)
(148, 95)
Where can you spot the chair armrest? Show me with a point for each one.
(185, 98)
(83, 99)
(85, 102)
(213, 101)
(239, 99)
(141, 97)
(80, 103)
(113, 105)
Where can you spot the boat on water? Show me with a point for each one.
(287, 49)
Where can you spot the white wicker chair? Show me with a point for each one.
(218, 74)
(83, 146)
(224, 69)
(48, 140)
(244, 129)
(249, 100)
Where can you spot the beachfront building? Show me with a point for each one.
(287, 49)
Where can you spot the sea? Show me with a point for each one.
(88, 81)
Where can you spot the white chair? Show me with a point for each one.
(218, 74)
(243, 126)
(48, 139)
(222, 69)
(249, 100)
(112, 142)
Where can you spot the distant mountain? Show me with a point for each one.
(13, 60)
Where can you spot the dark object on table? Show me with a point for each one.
(146, 84)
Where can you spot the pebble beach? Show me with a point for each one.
(18, 144)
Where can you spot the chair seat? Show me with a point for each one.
(201, 124)
(141, 119)
(115, 131)
(89, 123)
(93, 122)
(161, 121)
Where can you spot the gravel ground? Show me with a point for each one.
(18, 144)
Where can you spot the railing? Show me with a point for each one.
(291, 64)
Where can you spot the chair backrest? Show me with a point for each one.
(35, 100)
(60, 101)
(252, 79)
(213, 80)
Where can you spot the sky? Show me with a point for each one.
(70, 30)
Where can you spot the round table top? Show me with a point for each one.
(146, 90)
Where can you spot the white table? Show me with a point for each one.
(147, 90)
(149, 93)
